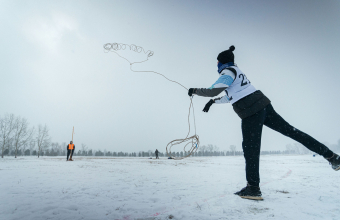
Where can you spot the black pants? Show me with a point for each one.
(157, 156)
(68, 153)
(252, 131)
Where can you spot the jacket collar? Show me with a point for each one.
(223, 66)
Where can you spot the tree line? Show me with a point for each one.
(99, 153)
(57, 149)
(18, 138)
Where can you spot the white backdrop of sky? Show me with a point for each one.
(54, 70)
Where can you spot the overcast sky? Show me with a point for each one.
(54, 69)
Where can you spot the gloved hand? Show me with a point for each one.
(207, 106)
(191, 91)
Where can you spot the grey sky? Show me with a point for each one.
(54, 69)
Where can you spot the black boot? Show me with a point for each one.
(334, 161)
(250, 192)
(242, 190)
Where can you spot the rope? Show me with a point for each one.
(193, 140)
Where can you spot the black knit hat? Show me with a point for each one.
(227, 55)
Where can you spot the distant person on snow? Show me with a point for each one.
(70, 149)
(156, 152)
(255, 110)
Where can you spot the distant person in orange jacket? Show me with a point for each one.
(70, 149)
(156, 152)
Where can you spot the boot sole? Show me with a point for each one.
(252, 197)
(336, 169)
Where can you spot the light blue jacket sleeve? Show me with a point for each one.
(223, 81)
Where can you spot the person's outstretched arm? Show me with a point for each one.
(210, 92)
(224, 81)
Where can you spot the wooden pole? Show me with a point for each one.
(72, 134)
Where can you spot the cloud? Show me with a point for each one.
(48, 31)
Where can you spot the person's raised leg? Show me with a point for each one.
(277, 123)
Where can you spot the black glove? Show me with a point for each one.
(191, 91)
(207, 106)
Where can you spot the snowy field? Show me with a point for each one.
(293, 187)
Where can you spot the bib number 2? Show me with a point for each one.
(245, 81)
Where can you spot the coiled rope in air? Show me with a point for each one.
(192, 141)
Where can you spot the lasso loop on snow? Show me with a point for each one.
(192, 141)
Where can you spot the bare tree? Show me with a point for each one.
(54, 148)
(83, 149)
(63, 151)
(290, 148)
(24, 148)
(202, 148)
(32, 145)
(305, 150)
(22, 133)
(216, 148)
(6, 129)
(301, 149)
(210, 148)
(53, 145)
(233, 149)
(9, 145)
(297, 148)
(42, 138)
(59, 149)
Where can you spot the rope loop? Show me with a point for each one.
(192, 141)
(114, 47)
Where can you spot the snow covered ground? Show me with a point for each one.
(293, 187)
